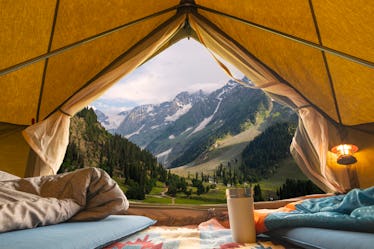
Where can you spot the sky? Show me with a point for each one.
(185, 66)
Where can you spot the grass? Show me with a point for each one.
(212, 197)
(193, 201)
(287, 169)
(216, 194)
(158, 189)
(228, 149)
(121, 183)
(158, 200)
(177, 200)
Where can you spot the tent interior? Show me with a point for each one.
(315, 56)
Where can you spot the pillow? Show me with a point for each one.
(4, 176)
(88, 234)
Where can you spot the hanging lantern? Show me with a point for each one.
(345, 153)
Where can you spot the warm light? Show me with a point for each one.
(345, 153)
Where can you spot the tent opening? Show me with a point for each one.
(314, 56)
(208, 130)
(308, 64)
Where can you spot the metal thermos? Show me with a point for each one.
(240, 207)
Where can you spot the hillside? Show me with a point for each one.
(262, 155)
(90, 145)
(230, 147)
(276, 175)
(231, 136)
(179, 131)
(222, 151)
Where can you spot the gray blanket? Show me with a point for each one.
(85, 194)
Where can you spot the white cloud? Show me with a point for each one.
(186, 66)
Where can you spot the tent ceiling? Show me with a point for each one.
(77, 20)
(331, 81)
(39, 93)
(275, 52)
(81, 64)
(21, 20)
(284, 16)
(347, 26)
(63, 54)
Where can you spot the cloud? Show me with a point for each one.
(185, 66)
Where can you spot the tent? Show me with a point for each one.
(317, 56)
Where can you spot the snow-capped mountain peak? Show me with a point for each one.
(109, 121)
(157, 117)
(175, 131)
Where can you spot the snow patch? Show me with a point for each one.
(114, 121)
(203, 124)
(92, 107)
(171, 137)
(206, 121)
(183, 109)
(150, 108)
(154, 127)
(165, 153)
(186, 130)
(135, 132)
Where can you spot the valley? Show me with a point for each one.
(227, 149)
(192, 148)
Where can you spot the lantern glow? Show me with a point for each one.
(345, 153)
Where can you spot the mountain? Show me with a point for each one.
(102, 118)
(262, 155)
(178, 131)
(90, 145)
(144, 123)
(109, 122)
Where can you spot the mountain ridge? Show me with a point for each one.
(179, 131)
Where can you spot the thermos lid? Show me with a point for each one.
(238, 192)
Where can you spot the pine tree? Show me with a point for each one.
(257, 193)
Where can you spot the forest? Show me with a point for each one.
(136, 168)
(261, 156)
(139, 172)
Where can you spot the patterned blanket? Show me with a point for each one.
(209, 234)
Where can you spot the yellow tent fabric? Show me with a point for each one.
(316, 55)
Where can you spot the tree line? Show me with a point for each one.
(91, 145)
(262, 155)
(137, 168)
(293, 188)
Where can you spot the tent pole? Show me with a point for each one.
(105, 33)
(84, 41)
(109, 66)
(279, 78)
(293, 38)
(325, 62)
(47, 60)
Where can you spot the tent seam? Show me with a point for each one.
(47, 60)
(81, 42)
(116, 60)
(276, 75)
(355, 59)
(331, 83)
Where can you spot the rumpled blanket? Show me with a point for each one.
(85, 194)
(353, 211)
